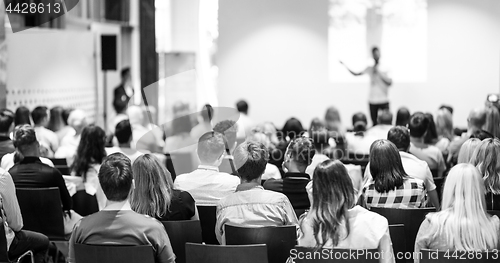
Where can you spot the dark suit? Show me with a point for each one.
(120, 96)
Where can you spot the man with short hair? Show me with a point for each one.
(429, 153)
(117, 224)
(298, 156)
(384, 124)
(123, 134)
(229, 128)
(413, 166)
(206, 184)
(251, 205)
(47, 138)
(6, 127)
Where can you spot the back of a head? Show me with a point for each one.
(464, 211)
(210, 147)
(333, 195)
(384, 117)
(418, 125)
(359, 121)
(292, 128)
(467, 149)
(447, 107)
(400, 136)
(242, 106)
(229, 129)
(56, 121)
(259, 137)
(486, 158)
(301, 150)
(115, 177)
(77, 119)
(477, 118)
(22, 116)
(251, 159)
(320, 140)
(444, 124)
(492, 123)
(65, 115)
(403, 117)
(6, 120)
(431, 134)
(332, 119)
(24, 137)
(207, 113)
(316, 125)
(153, 186)
(90, 150)
(123, 132)
(39, 114)
(386, 166)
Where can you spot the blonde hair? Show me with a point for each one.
(485, 158)
(444, 124)
(463, 220)
(467, 150)
(153, 187)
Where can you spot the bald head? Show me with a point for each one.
(477, 118)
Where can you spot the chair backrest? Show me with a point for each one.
(411, 218)
(4, 254)
(436, 256)
(41, 210)
(398, 234)
(295, 190)
(308, 255)
(198, 253)
(208, 219)
(61, 165)
(181, 232)
(279, 239)
(113, 254)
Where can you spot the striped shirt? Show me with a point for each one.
(411, 194)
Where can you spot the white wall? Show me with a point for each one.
(274, 54)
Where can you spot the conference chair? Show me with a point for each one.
(42, 212)
(61, 165)
(113, 254)
(307, 255)
(398, 234)
(411, 218)
(4, 253)
(278, 239)
(181, 232)
(436, 256)
(208, 220)
(201, 253)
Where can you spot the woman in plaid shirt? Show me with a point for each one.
(391, 186)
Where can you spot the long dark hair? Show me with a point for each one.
(386, 166)
(431, 136)
(22, 116)
(56, 121)
(333, 195)
(90, 150)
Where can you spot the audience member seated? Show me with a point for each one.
(332, 120)
(413, 166)
(251, 205)
(384, 124)
(229, 129)
(391, 186)
(492, 123)
(320, 142)
(475, 122)
(298, 156)
(204, 122)
(30, 172)
(47, 138)
(18, 240)
(467, 150)
(403, 117)
(275, 154)
(462, 224)
(357, 142)
(77, 120)
(444, 129)
(271, 171)
(292, 128)
(120, 107)
(486, 158)
(359, 122)
(336, 132)
(181, 139)
(334, 220)
(206, 184)
(117, 224)
(88, 159)
(22, 116)
(143, 139)
(419, 125)
(154, 194)
(245, 124)
(123, 134)
(431, 135)
(58, 122)
(6, 127)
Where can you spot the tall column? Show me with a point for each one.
(149, 57)
(3, 59)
